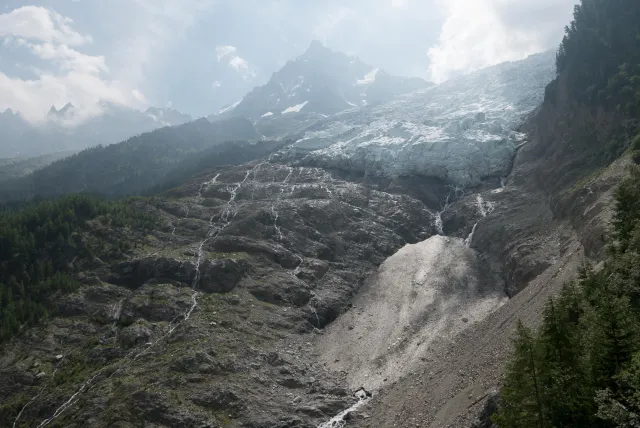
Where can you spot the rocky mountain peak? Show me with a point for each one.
(64, 130)
(322, 82)
(316, 46)
(66, 112)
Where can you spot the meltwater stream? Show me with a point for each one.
(215, 228)
(339, 420)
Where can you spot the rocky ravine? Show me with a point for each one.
(281, 292)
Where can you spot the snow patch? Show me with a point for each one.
(296, 108)
(228, 108)
(267, 114)
(369, 78)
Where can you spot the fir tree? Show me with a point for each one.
(522, 392)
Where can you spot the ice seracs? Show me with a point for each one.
(462, 131)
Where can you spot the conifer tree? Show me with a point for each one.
(522, 391)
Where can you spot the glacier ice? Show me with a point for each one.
(461, 131)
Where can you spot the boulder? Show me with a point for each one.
(134, 335)
(220, 276)
(491, 406)
(134, 273)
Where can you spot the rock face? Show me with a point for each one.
(550, 216)
(322, 82)
(224, 300)
(277, 288)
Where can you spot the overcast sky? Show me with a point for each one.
(198, 55)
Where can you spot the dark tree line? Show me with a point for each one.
(600, 53)
(38, 243)
(128, 168)
(582, 367)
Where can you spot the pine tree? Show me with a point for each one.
(622, 409)
(614, 337)
(522, 395)
(561, 368)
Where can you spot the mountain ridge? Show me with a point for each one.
(322, 82)
(359, 269)
(67, 128)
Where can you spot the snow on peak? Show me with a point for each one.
(369, 78)
(296, 108)
(461, 131)
(228, 108)
(267, 114)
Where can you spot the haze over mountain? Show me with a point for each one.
(323, 82)
(341, 247)
(68, 128)
(199, 55)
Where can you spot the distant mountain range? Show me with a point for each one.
(62, 130)
(135, 165)
(317, 84)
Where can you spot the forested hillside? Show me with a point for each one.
(582, 367)
(598, 66)
(12, 168)
(130, 167)
(601, 53)
(42, 244)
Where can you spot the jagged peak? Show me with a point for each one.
(66, 108)
(52, 111)
(317, 48)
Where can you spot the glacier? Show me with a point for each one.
(462, 131)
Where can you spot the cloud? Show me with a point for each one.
(81, 89)
(66, 75)
(224, 51)
(154, 27)
(239, 64)
(70, 59)
(163, 48)
(480, 33)
(400, 3)
(38, 23)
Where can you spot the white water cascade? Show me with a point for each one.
(226, 217)
(338, 421)
(484, 209)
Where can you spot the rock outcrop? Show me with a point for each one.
(275, 289)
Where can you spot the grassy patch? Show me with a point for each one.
(219, 256)
(9, 410)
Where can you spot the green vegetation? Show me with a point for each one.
(18, 167)
(601, 53)
(150, 160)
(41, 242)
(582, 367)
(598, 66)
(219, 256)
